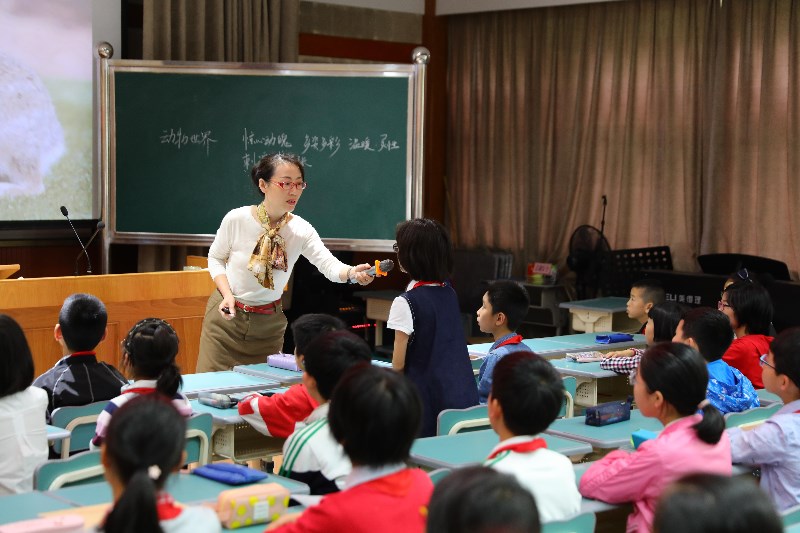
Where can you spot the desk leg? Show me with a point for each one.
(378, 333)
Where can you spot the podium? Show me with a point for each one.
(178, 297)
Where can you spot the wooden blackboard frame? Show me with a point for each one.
(414, 73)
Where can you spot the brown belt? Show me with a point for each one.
(266, 309)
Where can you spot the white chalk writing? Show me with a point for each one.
(179, 139)
(271, 139)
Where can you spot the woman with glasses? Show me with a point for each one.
(748, 306)
(251, 260)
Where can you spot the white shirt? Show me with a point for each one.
(548, 475)
(234, 243)
(23, 439)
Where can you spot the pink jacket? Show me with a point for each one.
(641, 476)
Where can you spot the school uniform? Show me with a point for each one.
(773, 446)
(728, 390)
(623, 365)
(500, 348)
(79, 379)
(641, 476)
(128, 393)
(390, 499)
(546, 474)
(23, 439)
(743, 354)
(311, 455)
(437, 361)
(277, 415)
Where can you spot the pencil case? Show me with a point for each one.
(255, 504)
(608, 413)
(229, 473)
(286, 361)
(57, 524)
(612, 338)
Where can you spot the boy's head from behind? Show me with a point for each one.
(478, 499)
(375, 415)
(644, 294)
(706, 330)
(329, 356)
(82, 322)
(307, 327)
(505, 305)
(784, 358)
(527, 394)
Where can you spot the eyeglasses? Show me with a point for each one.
(722, 305)
(743, 275)
(288, 185)
(395, 248)
(763, 361)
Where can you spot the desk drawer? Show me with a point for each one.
(378, 309)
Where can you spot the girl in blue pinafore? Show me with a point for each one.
(429, 343)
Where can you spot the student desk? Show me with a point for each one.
(598, 314)
(556, 347)
(226, 382)
(236, 439)
(264, 371)
(185, 488)
(766, 398)
(593, 382)
(378, 305)
(463, 449)
(611, 436)
(29, 505)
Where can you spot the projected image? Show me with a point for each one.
(46, 54)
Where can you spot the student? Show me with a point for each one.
(375, 414)
(670, 385)
(774, 444)
(645, 293)
(708, 503)
(148, 357)
(749, 308)
(526, 397)
(505, 304)
(144, 445)
(662, 320)
(477, 499)
(310, 454)
(429, 344)
(709, 332)
(277, 415)
(78, 378)
(23, 444)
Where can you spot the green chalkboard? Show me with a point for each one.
(182, 142)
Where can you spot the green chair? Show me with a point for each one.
(438, 474)
(84, 467)
(80, 420)
(452, 421)
(581, 523)
(751, 417)
(570, 386)
(790, 517)
(198, 438)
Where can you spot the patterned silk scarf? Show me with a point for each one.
(270, 250)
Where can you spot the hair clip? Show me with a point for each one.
(153, 472)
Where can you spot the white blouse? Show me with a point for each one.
(23, 439)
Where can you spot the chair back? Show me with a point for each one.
(452, 421)
(80, 420)
(790, 517)
(84, 467)
(751, 417)
(581, 523)
(198, 438)
(568, 407)
(438, 475)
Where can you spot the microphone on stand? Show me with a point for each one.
(100, 226)
(66, 214)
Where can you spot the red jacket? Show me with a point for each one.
(396, 503)
(744, 353)
(277, 415)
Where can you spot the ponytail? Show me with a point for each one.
(169, 381)
(710, 428)
(135, 511)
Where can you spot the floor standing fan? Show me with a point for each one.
(586, 248)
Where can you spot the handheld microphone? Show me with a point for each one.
(220, 401)
(100, 226)
(381, 268)
(66, 214)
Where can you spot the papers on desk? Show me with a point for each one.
(585, 357)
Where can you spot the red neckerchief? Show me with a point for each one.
(516, 339)
(140, 390)
(423, 283)
(520, 447)
(166, 508)
(87, 352)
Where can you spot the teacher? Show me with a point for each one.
(251, 259)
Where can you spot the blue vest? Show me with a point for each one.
(437, 361)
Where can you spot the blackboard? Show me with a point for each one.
(183, 137)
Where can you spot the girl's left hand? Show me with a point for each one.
(360, 275)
